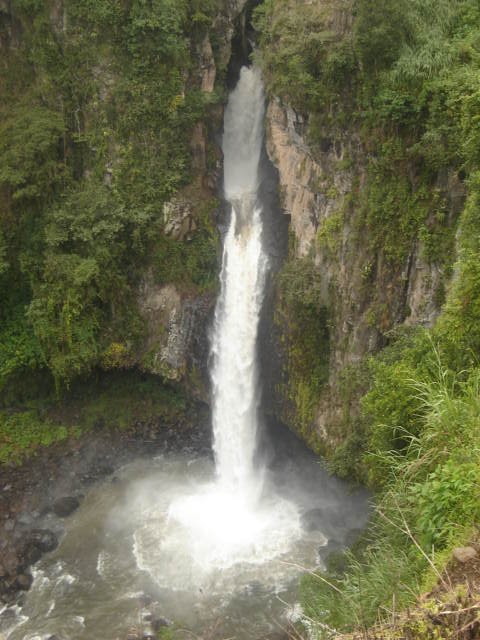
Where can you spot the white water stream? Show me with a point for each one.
(211, 546)
(230, 521)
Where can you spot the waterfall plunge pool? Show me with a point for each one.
(125, 557)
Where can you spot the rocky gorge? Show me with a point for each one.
(112, 222)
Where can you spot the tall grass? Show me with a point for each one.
(430, 499)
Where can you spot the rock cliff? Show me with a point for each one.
(365, 296)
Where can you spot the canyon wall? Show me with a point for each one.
(369, 276)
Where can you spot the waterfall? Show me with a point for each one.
(233, 520)
(235, 384)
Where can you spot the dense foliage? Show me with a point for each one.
(403, 76)
(114, 401)
(98, 101)
(307, 351)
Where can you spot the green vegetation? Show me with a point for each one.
(424, 458)
(98, 104)
(307, 351)
(114, 401)
(22, 433)
(404, 78)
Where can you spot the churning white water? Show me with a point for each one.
(230, 521)
(234, 375)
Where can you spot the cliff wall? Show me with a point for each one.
(373, 225)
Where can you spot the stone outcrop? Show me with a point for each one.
(176, 341)
(179, 219)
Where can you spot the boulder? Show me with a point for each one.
(10, 562)
(24, 581)
(25, 518)
(465, 554)
(63, 507)
(160, 623)
(30, 555)
(43, 539)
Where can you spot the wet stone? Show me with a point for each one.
(10, 562)
(30, 555)
(43, 539)
(160, 623)
(326, 550)
(25, 518)
(24, 581)
(65, 506)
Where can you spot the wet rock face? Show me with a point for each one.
(179, 220)
(21, 548)
(365, 295)
(177, 331)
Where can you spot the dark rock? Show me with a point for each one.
(25, 518)
(331, 547)
(24, 581)
(30, 554)
(43, 539)
(65, 506)
(145, 599)
(10, 562)
(325, 145)
(160, 623)
(105, 470)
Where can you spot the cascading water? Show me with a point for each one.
(234, 377)
(203, 545)
(230, 522)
